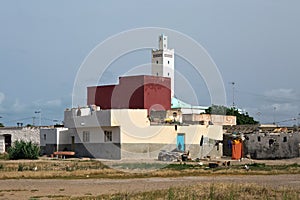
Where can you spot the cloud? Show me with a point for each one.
(2, 97)
(53, 103)
(282, 107)
(18, 107)
(282, 94)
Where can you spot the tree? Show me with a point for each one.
(23, 150)
(241, 118)
(1, 125)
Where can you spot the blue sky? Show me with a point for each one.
(254, 43)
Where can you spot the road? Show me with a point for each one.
(26, 188)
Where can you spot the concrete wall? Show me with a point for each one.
(87, 118)
(2, 144)
(272, 145)
(151, 150)
(206, 118)
(53, 139)
(22, 133)
(133, 92)
(135, 135)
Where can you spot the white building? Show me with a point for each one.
(8, 135)
(163, 61)
(128, 133)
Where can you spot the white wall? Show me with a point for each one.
(94, 119)
(2, 144)
(168, 134)
(134, 127)
(52, 135)
(96, 134)
(25, 133)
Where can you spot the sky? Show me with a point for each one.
(254, 44)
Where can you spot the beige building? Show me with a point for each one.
(129, 134)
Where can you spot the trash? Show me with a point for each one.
(213, 165)
(184, 157)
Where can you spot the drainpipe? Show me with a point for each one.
(57, 139)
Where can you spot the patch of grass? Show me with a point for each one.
(4, 156)
(220, 191)
(61, 189)
(13, 190)
(51, 197)
(77, 169)
(139, 165)
(181, 166)
(34, 190)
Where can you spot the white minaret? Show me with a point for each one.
(163, 61)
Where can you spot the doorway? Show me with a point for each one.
(181, 142)
(72, 143)
(7, 142)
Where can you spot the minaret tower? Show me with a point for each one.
(163, 61)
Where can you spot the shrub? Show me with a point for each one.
(23, 150)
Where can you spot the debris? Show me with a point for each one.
(213, 165)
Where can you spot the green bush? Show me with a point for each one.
(23, 150)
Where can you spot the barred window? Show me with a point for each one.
(107, 136)
(86, 136)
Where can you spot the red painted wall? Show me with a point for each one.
(134, 92)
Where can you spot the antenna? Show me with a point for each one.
(232, 83)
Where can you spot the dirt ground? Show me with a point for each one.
(54, 188)
(29, 188)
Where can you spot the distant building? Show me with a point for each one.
(8, 135)
(263, 142)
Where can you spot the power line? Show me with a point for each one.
(291, 100)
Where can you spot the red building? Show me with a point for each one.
(133, 92)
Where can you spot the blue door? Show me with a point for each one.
(180, 142)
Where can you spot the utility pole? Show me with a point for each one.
(233, 83)
(298, 117)
(274, 115)
(33, 121)
(40, 113)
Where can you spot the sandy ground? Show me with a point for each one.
(27, 188)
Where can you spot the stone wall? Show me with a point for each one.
(272, 145)
(22, 133)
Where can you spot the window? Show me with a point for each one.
(86, 136)
(45, 137)
(157, 62)
(284, 139)
(107, 136)
(258, 138)
(168, 62)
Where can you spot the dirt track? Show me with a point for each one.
(26, 188)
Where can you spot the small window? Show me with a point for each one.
(168, 74)
(284, 139)
(157, 62)
(168, 62)
(258, 138)
(86, 136)
(45, 136)
(107, 136)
